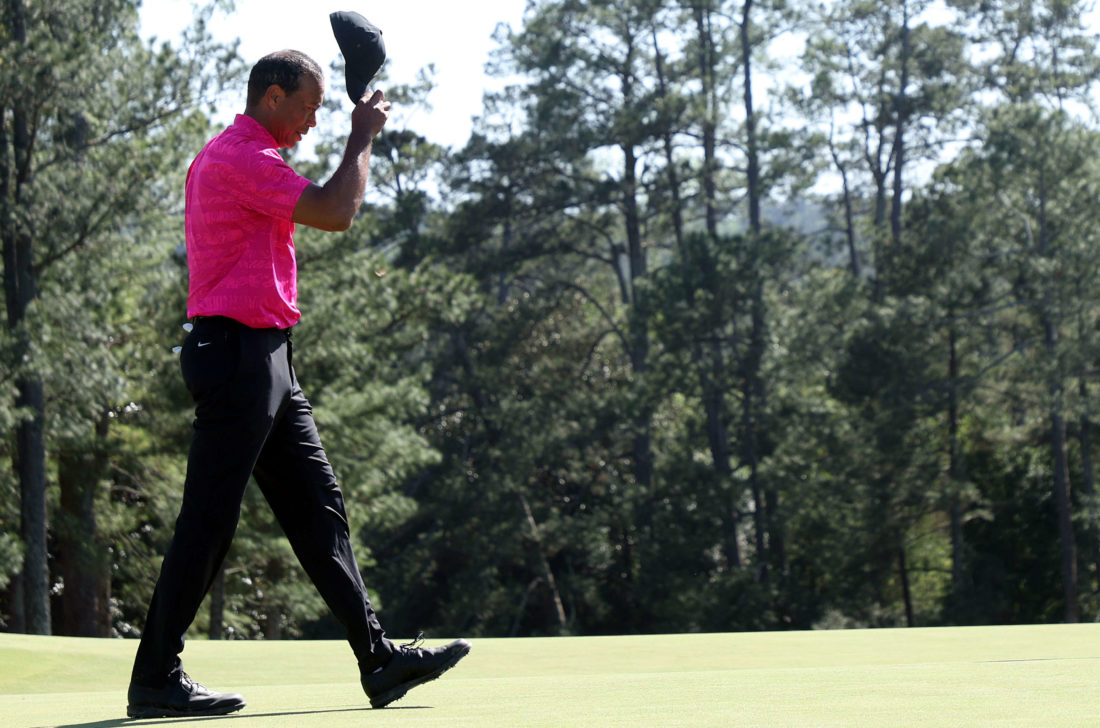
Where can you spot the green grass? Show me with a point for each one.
(1035, 676)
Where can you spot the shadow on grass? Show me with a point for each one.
(119, 722)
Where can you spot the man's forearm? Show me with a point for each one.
(333, 206)
(348, 183)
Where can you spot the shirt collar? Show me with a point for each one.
(254, 129)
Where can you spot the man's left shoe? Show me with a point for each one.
(410, 666)
(181, 696)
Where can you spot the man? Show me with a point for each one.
(251, 417)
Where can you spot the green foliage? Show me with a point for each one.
(96, 124)
(570, 383)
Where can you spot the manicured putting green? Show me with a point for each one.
(1034, 676)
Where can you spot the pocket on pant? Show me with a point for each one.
(210, 358)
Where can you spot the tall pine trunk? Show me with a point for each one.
(20, 289)
(84, 563)
(753, 394)
(958, 569)
(710, 360)
(1088, 489)
(901, 114)
(906, 591)
(1059, 455)
(636, 259)
(217, 606)
(1068, 548)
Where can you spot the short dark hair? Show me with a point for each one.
(282, 68)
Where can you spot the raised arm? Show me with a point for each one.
(333, 205)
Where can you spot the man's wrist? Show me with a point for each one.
(359, 141)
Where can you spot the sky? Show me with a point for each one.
(455, 36)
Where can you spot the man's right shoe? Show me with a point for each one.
(182, 696)
(410, 666)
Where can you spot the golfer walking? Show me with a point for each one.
(251, 417)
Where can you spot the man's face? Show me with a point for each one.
(296, 113)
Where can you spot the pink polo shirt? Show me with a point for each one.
(240, 245)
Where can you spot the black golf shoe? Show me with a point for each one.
(182, 696)
(410, 666)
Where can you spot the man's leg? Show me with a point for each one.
(237, 399)
(295, 476)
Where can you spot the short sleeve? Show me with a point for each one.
(263, 182)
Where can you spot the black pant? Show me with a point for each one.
(251, 418)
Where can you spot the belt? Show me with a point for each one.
(195, 320)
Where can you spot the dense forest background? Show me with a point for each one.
(696, 333)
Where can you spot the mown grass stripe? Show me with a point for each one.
(1044, 676)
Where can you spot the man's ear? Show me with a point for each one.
(274, 96)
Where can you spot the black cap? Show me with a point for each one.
(364, 52)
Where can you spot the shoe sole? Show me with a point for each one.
(398, 692)
(152, 711)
